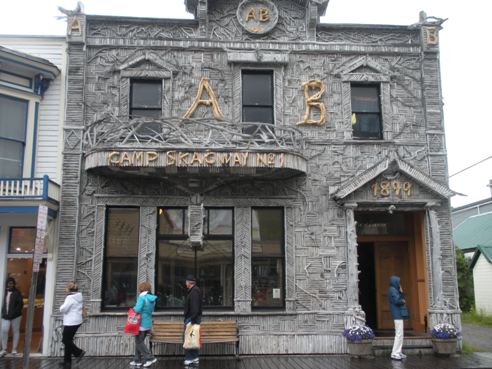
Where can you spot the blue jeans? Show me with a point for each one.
(191, 354)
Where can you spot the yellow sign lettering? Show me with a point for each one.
(264, 15)
(204, 86)
(171, 157)
(114, 158)
(314, 101)
(251, 14)
(151, 156)
(209, 158)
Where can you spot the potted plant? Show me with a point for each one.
(445, 338)
(359, 340)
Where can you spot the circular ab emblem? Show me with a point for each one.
(257, 16)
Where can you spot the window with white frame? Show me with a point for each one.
(13, 123)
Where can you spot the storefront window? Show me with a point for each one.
(22, 240)
(121, 257)
(267, 258)
(212, 264)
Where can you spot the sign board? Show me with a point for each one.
(39, 245)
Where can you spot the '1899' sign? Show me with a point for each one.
(388, 188)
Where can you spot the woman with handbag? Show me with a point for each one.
(145, 306)
(399, 312)
(72, 319)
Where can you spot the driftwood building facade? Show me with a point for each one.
(292, 166)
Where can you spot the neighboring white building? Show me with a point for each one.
(32, 104)
(482, 276)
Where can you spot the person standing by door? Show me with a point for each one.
(72, 319)
(11, 316)
(192, 314)
(399, 312)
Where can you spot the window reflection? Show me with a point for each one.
(212, 264)
(121, 258)
(267, 258)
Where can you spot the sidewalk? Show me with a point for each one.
(468, 361)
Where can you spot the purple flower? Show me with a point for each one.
(445, 331)
(358, 333)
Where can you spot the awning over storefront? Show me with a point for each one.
(193, 148)
(195, 162)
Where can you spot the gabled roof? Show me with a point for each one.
(363, 61)
(145, 56)
(354, 183)
(486, 251)
(474, 232)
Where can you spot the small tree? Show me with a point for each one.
(465, 281)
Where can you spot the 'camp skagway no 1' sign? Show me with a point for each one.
(257, 16)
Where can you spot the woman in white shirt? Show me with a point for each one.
(72, 319)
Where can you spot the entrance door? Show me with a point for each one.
(391, 258)
(392, 244)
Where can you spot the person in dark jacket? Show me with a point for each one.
(192, 314)
(11, 316)
(397, 304)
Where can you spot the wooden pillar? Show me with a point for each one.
(435, 257)
(352, 265)
(147, 245)
(354, 314)
(242, 252)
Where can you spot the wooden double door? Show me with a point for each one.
(380, 257)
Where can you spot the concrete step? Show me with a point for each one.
(411, 346)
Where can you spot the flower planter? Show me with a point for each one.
(362, 348)
(445, 346)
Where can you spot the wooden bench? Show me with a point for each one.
(224, 331)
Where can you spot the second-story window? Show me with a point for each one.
(366, 112)
(146, 98)
(257, 97)
(13, 122)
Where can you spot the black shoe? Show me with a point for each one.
(65, 365)
(78, 358)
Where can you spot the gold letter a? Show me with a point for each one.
(212, 101)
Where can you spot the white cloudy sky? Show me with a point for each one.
(464, 44)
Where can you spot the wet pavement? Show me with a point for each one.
(468, 361)
(478, 336)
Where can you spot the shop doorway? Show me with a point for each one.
(19, 267)
(392, 244)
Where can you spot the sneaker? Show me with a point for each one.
(403, 356)
(394, 357)
(149, 362)
(3, 353)
(78, 358)
(188, 362)
(135, 363)
(14, 353)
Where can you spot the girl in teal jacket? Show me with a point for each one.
(145, 306)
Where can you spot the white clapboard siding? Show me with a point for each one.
(482, 275)
(51, 109)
